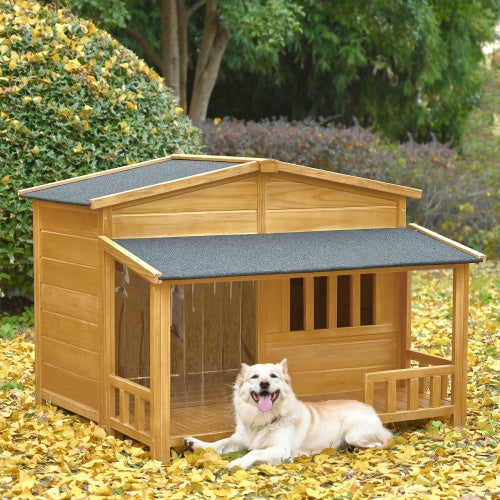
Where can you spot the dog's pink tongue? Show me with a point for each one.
(265, 403)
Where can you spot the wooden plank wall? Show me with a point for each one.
(331, 359)
(291, 204)
(259, 202)
(68, 307)
(221, 208)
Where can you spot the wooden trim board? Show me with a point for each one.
(349, 179)
(448, 241)
(137, 265)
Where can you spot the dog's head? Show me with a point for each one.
(263, 385)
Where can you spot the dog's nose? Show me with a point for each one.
(264, 384)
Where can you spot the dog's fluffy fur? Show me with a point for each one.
(275, 426)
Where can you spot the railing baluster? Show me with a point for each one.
(435, 397)
(139, 413)
(123, 413)
(369, 393)
(413, 393)
(391, 396)
(444, 386)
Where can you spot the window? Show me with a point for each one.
(366, 299)
(342, 301)
(320, 302)
(296, 304)
(131, 326)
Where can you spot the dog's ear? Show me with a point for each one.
(284, 366)
(241, 376)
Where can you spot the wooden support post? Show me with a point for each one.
(160, 371)
(459, 343)
(405, 294)
(108, 343)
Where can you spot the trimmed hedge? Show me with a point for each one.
(458, 199)
(72, 101)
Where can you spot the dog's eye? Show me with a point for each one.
(254, 376)
(273, 375)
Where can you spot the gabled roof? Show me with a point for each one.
(168, 174)
(229, 256)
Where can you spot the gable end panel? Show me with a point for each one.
(220, 208)
(294, 204)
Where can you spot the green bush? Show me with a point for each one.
(458, 200)
(72, 101)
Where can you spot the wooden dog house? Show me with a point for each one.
(153, 282)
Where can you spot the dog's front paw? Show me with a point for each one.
(239, 462)
(192, 443)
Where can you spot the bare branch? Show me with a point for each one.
(195, 7)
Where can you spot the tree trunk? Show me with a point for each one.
(215, 39)
(174, 59)
(182, 20)
(170, 45)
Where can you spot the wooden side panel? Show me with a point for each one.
(69, 390)
(292, 205)
(223, 208)
(69, 296)
(70, 358)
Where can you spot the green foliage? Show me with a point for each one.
(72, 101)
(457, 200)
(108, 14)
(398, 66)
(10, 324)
(10, 385)
(260, 30)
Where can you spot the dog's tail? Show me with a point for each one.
(384, 437)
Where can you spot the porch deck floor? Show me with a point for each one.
(211, 416)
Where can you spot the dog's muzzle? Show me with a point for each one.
(265, 399)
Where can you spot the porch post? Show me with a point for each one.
(405, 294)
(160, 371)
(459, 343)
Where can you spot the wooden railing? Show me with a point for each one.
(411, 393)
(130, 409)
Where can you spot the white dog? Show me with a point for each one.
(275, 426)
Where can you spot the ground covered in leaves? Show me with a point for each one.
(48, 453)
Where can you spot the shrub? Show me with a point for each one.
(354, 150)
(457, 200)
(72, 101)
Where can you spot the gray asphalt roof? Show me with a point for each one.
(196, 257)
(80, 192)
